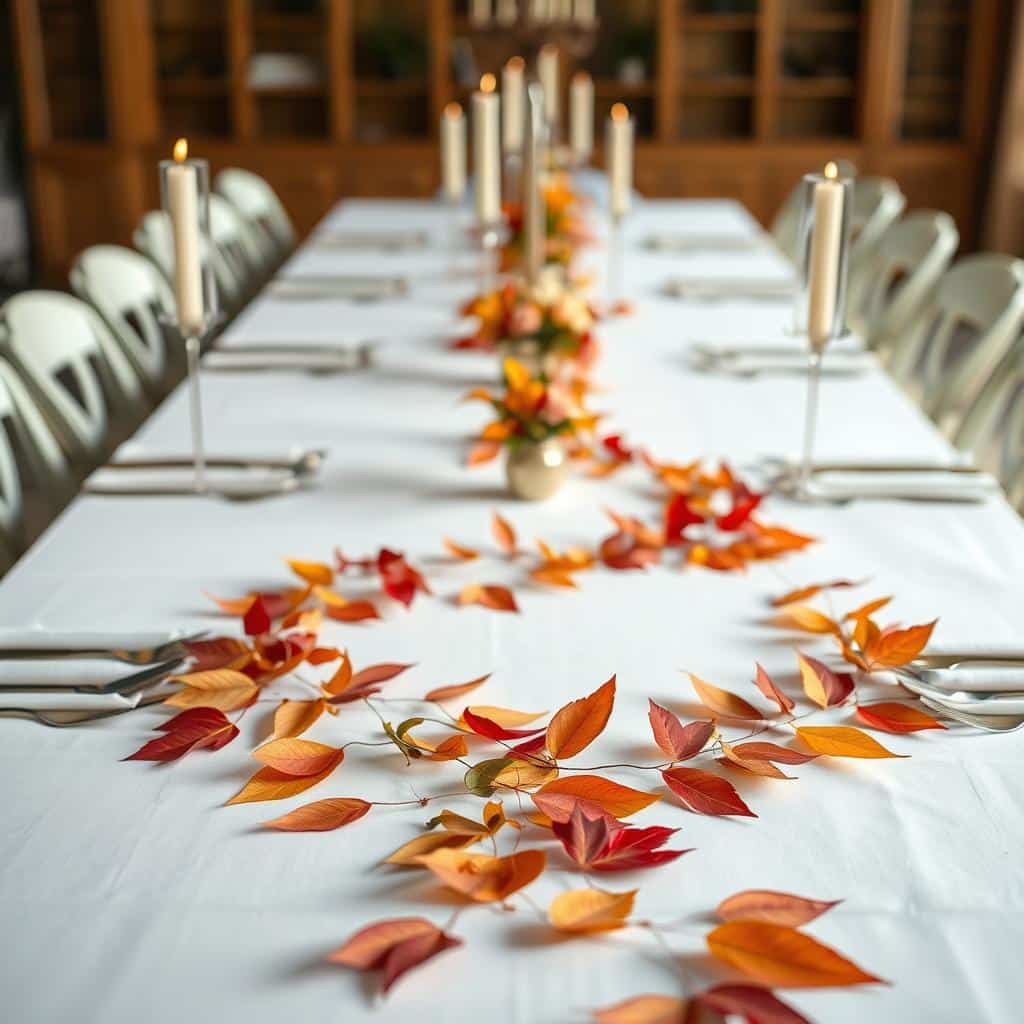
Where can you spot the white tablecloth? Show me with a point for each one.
(127, 892)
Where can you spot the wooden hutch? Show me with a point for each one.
(732, 97)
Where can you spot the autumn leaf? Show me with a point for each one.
(483, 451)
(773, 907)
(648, 1009)
(723, 702)
(491, 730)
(351, 611)
(409, 854)
(579, 723)
(677, 741)
(508, 718)
(612, 797)
(773, 954)
(294, 717)
(808, 619)
(221, 688)
(489, 595)
(492, 821)
(393, 947)
(754, 765)
(398, 579)
(865, 611)
(825, 687)
(750, 1003)
(757, 750)
(591, 910)
(504, 534)
(842, 741)
(316, 573)
(766, 685)
(896, 647)
(443, 693)
(705, 793)
(460, 551)
(321, 815)
(271, 784)
(896, 718)
(256, 620)
(346, 686)
(596, 843)
(484, 878)
(195, 729)
(299, 757)
(811, 590)
(218, 652)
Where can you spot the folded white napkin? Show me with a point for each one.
(735, 346)
(370, 240)
(934, 485)
(833, 364)
(174, 480)
(40, 639)
(279, 359)
(992, 679)
(978, 650)
(732, 287)
(69, 701)
(665, 242)
(63, 672)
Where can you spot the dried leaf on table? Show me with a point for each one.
(773, 907)
(705, 793)
(484, 878)
(201, 728)
(299, 757)
(316, 573)
(597, 843)
(723, 702)
(677, 741)
(575, 726)
(460, 551)
(823, 686)
(750, 1003)
(497, 598)
(591, 910)
(612, 797)
(504, 534)
(648, 1009)
(456, 690)
(896, 718)
(768, 687)
(894, 648)
(221, 688)
(294, 717)
(271, 784)
(842, 741)
(321, 815)
(811, 590)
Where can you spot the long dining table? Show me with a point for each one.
(129, 892)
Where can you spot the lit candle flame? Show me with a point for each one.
(515, 64)
(181, 151)
(488, 83)
(452, 110)
(620, 112)
(581, 76)
(831, 171)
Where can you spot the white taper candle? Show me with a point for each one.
(581, 116)
(487, 152)
(513, 91)
(453, 152)
(620, 159)
(183, 207)
(823, 260)
(547, 74)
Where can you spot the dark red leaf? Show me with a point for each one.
(754, 1004)
(705, 793)
(257, 618)
(193, 729)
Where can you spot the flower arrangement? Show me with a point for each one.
(540, 326)
(565, 230)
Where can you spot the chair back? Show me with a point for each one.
(954, 343)
(993, 428)
(912, 255)
(268, 224)
(12, 508)
(237, 253)
(877, 203)
(73, 367)
(133, 298)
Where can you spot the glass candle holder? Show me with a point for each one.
(185, 196)
(819, 313)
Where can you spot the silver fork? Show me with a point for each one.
(988, 723)
(172, 650)
(79, 717)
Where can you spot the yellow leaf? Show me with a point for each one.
(409, 854)
(842, 741)
(723, 702)
(294, 717)
(270, 784)
(224, 689)
(316, 573)
(481, 877)
(591, 910)
(808, 619)
(459, 551)
(507, 718)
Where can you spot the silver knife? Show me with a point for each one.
(123, 686)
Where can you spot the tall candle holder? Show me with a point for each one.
(619, 136)
(490, 243)
(616, 261)
(185, 197)
(820, 308)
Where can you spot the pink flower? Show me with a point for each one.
(559, 404)
(525, 319)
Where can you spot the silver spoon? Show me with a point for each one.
(988, 723)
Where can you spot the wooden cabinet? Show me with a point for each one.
(329, 98)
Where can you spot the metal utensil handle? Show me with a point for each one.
(196, 412)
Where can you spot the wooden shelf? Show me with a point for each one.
(825, 21)
(719, 22)
(385, 87)
(614, 89)
(719, 85)
(289, 24)
(933, 85)
(811, 88)
(194, 87)
(296, 91)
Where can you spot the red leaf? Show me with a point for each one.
(193, 729)
(754, 1004)
(493, 731)
(678, 516)
(598, 843)
(766, 685)
(898, 718)
(757, 751)
(679, 742)
(257, 619)
(218, 652)
(398, 579)
(394, 947)
(742, 509)
(624, 551)
(825, 687)
(773, 907)
(381, 673)
(704, 793)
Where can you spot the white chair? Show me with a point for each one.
(34, 477)
(912, 255)
(75, 370)
(785, 227)
(993, 428)
(133, 298)
(270, 228)
(877, 204)
(954, 343)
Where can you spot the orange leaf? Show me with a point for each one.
(484, 878)
(579, 723)
(233, 605)
(393, 947)
(618, 800)
(897, 718)
(754, 765)
(775, 954)
(409, 854)
(220, 688)
(450, 749)
(591, 910)
(808, 619)
(316, 573)
(294, 717)
(504, 534)
(553, 577)
(773, 907)
(644, 1010)
(497, 598)
(270, 784)
(825, 687)
(842, 741)
(766, 685)
(442, 693)
(342, 678)
(896, 647)
(507, 718)
(464, 554)
(483, 451)
(353, 611)
(299, 757)
(321, 815)
(805, 593)
(865, 611)
(723, 702)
